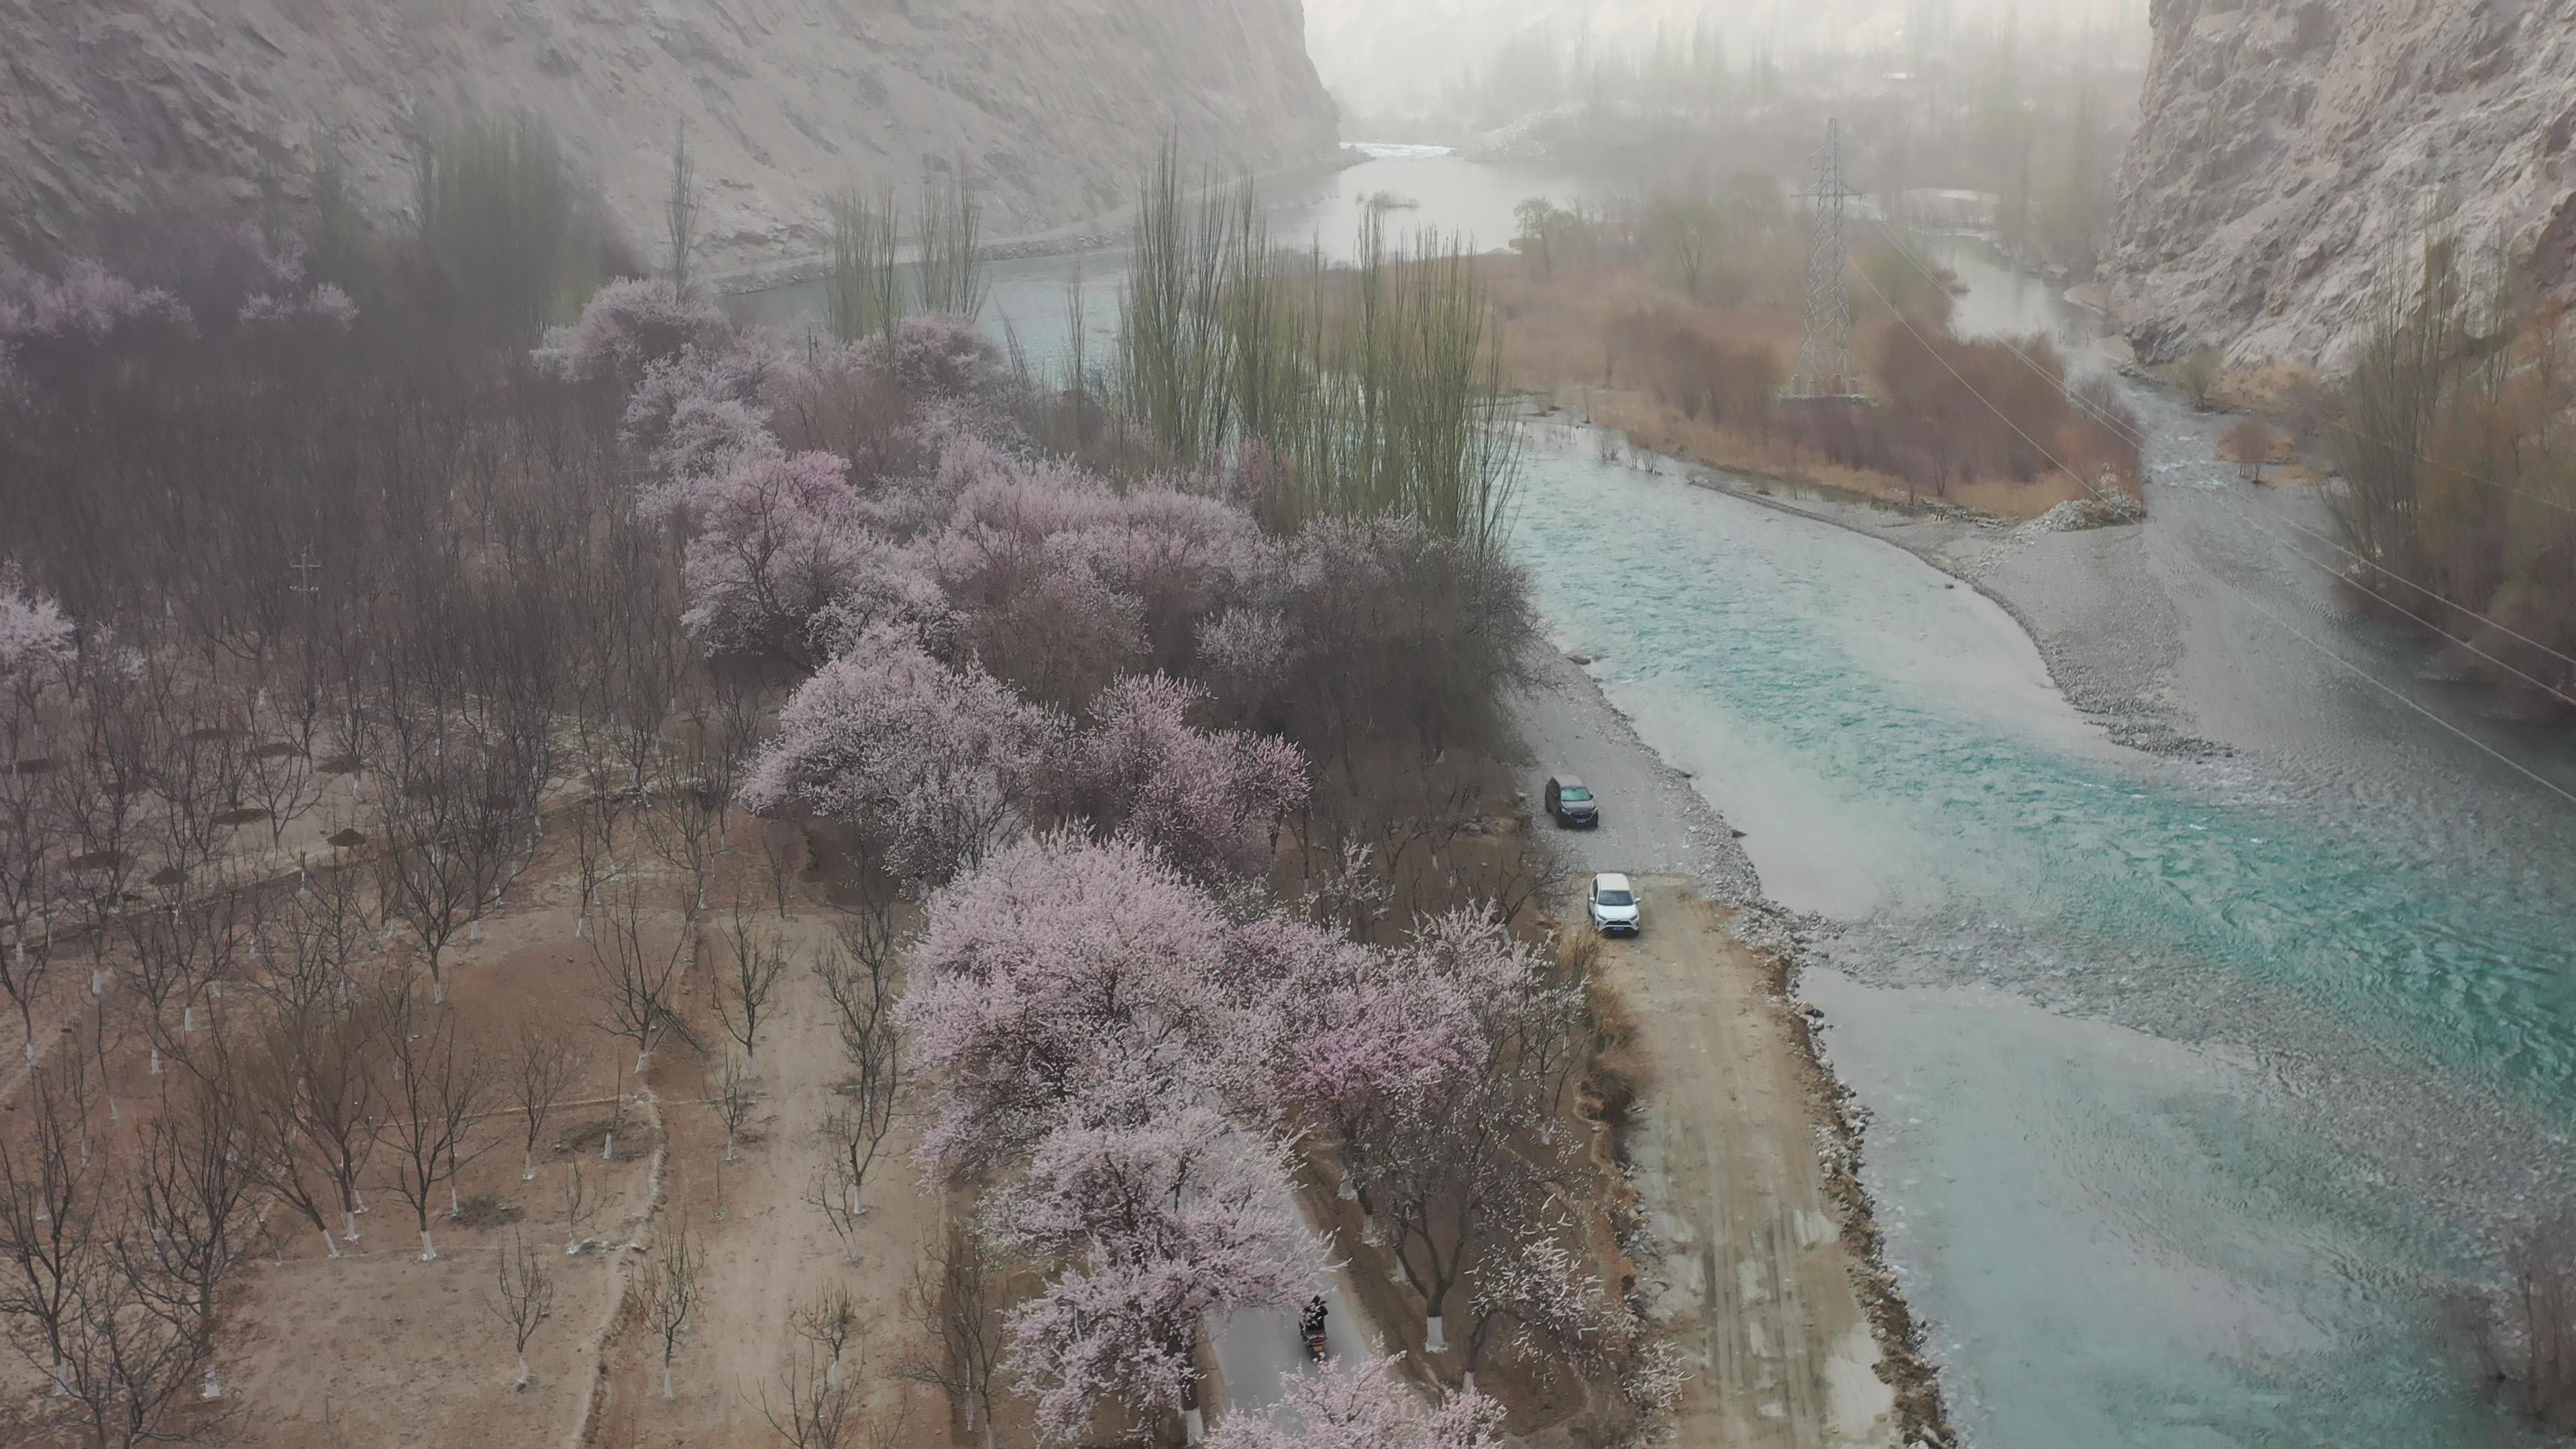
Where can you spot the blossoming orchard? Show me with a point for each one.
(764, 786)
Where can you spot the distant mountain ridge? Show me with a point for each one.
(2292, 156)
(1053, 104)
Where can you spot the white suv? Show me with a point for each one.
(1614, 906)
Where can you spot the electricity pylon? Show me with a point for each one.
(1825, 352)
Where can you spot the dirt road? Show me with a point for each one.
(1755, 1280)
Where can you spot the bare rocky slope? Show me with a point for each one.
(2292, 154)
(1052, 104)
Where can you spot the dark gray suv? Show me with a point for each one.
(1571, 803)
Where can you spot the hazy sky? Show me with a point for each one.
(1376, 52)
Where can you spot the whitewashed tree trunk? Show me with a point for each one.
(348, 1225)
(528, 1166)
(156, 1061)
(608, 1148)
(329, 1246)
(1467, 1381)
(522, 1384)
(1193, 1424)
(1432, 1342)
(213, 1387)
(428, 1251)
(666, 1383)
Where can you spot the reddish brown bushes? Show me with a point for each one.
(1687, 365)
(1949, 412)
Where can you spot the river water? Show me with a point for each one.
(2200, 1092)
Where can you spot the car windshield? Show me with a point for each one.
(1576, 795)
(1617, 898)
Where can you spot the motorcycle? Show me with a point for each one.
(1311, 1328)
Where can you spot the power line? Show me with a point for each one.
(2138, 440)
(2541, 684)
(2435, 597)
(2341, 427)
(2283, 624)
(2349, 431)
(2118, 428)
(1972, 390)
(2382, 686)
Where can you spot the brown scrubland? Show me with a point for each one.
(1681, 328)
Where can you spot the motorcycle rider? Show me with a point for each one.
(1310, 1324)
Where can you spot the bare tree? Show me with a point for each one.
(131, 1357)
(829, 1322)
(594, 844)
(458, 825)
(431, 1107)
(957, 1299)
(542, 1068)
(685, 827)
(579, 1207)
(310, 1090)
(306, 948)
(34, 848)
(192, 1184)
(729, 1098)
(670, 1296)
(782, 846)
(279, 775)
(523, 1297)
(52, 1191)
(816, 1408)
(633, 980)
(743, 991)
(680, 209)
(177, 954)
(859, 976)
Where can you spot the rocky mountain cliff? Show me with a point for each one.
(2292, 154)
(1052, 104)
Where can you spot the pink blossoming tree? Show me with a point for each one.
(1162, 1225)
(1210, 800)
(1369, 1407)
(933, 766)
(630, 325)
(779, 541)
(1059, 967)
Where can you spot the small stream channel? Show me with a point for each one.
(2201, 1092)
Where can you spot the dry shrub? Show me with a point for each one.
(855, 411)
(1688, 364)
(2294, 397)
(1936, 422)
(2253, 443)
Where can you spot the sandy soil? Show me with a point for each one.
(379, 1348)
(1756, 1282)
